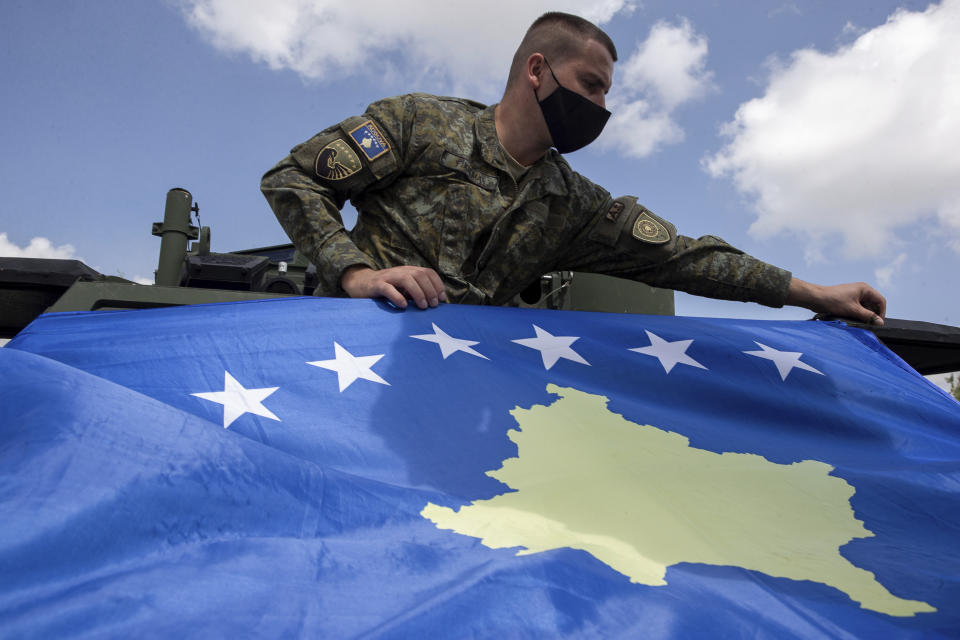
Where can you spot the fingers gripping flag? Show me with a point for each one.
(334, 468)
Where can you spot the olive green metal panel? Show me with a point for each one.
(595, 292)
(590, 293)
(91, 296)
(577, 291)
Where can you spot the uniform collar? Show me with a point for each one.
(490, 149)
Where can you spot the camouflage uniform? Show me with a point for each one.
(432, 186)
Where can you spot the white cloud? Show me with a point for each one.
(461, 48)
(670, 64)
(638, 129)
(38, 248)
(857, 145)
(665, 71)
(457, 48)
(885, 273)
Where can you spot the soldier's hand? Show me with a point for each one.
(396, 284)
(855, 300)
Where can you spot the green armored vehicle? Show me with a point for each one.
(195, 274)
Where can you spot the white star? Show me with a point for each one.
(552, 347)
(669, 353)
(448, 344)
(350, 367)
(786, 361)
(237, 401)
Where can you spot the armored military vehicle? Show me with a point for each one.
(194, 274)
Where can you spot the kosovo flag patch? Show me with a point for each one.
(370, 140)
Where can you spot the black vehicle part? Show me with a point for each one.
(927, 347)
(29, 285)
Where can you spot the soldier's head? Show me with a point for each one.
(562, 60)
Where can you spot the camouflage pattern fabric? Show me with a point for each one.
(429, 179)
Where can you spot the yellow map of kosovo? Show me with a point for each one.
(641, 499)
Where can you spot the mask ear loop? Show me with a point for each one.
(549, 68)
(551, 71)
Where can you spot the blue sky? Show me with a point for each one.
(819, 136)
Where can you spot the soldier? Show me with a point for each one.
(467, 203)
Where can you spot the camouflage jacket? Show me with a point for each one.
(430, 182)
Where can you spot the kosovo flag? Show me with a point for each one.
(335, 468)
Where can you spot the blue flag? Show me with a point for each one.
(336, 468)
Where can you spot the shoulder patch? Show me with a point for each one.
(613, 214)
(373, 143)
(337, 161)
(647, 229)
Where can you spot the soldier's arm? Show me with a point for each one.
(308, 188)
(309, 212)
(626, 239)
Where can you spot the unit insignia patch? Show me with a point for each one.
(647, 229)
(337, 161)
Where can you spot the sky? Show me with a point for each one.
(819, 136)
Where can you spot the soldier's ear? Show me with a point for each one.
(535, 68)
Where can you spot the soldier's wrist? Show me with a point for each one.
(349, 276)
(804, 294)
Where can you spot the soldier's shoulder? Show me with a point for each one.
(577, 185)
(427, 103)
(448, 102)
(462, 103)
(572, 178)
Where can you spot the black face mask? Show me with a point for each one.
(573, 121)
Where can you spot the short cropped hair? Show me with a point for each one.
(558, 36)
